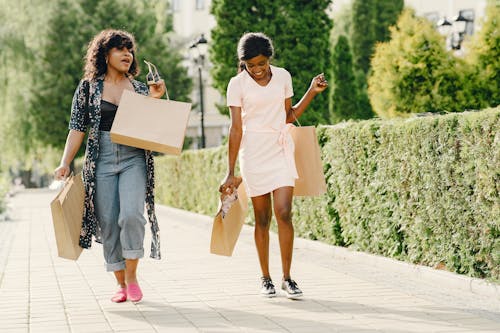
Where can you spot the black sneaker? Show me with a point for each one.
(267, 289)
(291, 289)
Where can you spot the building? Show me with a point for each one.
(437, 9)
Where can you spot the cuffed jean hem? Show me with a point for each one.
(133, 254)
(117, 266)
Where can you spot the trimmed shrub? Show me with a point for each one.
(192, 180)
(423, 190)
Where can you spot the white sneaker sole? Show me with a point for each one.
(290, 296)
(268, 295)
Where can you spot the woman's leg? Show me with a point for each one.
(282, 198)
(131, 270)
(132, 192)
(262, 212)
(107, 214)
(107, 208)
(120, 278)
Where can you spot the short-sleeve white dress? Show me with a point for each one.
(266, 153)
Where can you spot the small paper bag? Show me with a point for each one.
(226, 230)
(311, 181)
(150, 123)
(67, 213)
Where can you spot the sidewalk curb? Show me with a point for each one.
(438, 278)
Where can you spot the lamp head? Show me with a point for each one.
(459, 23)
(202, 45)
(444, 26)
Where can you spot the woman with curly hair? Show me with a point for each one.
(118, 179)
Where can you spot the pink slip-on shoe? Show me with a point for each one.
(134, 292)
(120, 296)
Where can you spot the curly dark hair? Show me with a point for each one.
(252, 44)
(95, 59)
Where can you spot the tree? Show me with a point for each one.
(59, 65)
(484, 58)
(70, 28)
(370, 24)
(300, 33)
(413, 73)
(386, 14)
(363, 34)
(16, 64)
(344, 98)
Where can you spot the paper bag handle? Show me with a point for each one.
(296, 119)
(70, 177)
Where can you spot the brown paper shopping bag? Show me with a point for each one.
(150, 123)
(311, 181)
(226, 229)
(67, 213)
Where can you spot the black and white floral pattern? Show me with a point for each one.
(86, 113)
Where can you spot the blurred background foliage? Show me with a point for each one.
(300, 32)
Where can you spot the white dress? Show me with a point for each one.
(266, 150)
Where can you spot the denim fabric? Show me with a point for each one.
(120, 195)
(86, 114)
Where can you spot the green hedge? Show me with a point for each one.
(423, 190)
(191, 181)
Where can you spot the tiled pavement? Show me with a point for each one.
(191, 290)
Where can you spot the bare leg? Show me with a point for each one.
(282, 198)
(131, 270)
(262, 212)
(120, 278)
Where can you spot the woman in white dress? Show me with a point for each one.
(259, 98)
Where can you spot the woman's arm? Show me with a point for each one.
(235, 134)
(318, 84)
(73, 143)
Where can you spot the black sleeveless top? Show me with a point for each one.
(108, 112)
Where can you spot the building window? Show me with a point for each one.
(176, 5)
(200, 4)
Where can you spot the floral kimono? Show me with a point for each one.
(86, 111)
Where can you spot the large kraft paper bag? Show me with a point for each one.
(311, 181)
(226, 229)
(150, 123)
(67, 213)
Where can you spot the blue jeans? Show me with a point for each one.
(119, 199)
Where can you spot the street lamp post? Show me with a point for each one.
(201, 46)
(459, 24)
(454, 31)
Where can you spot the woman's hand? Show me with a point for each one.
(229, 184)
(158, 89)
(62, 172)
(318, 83)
